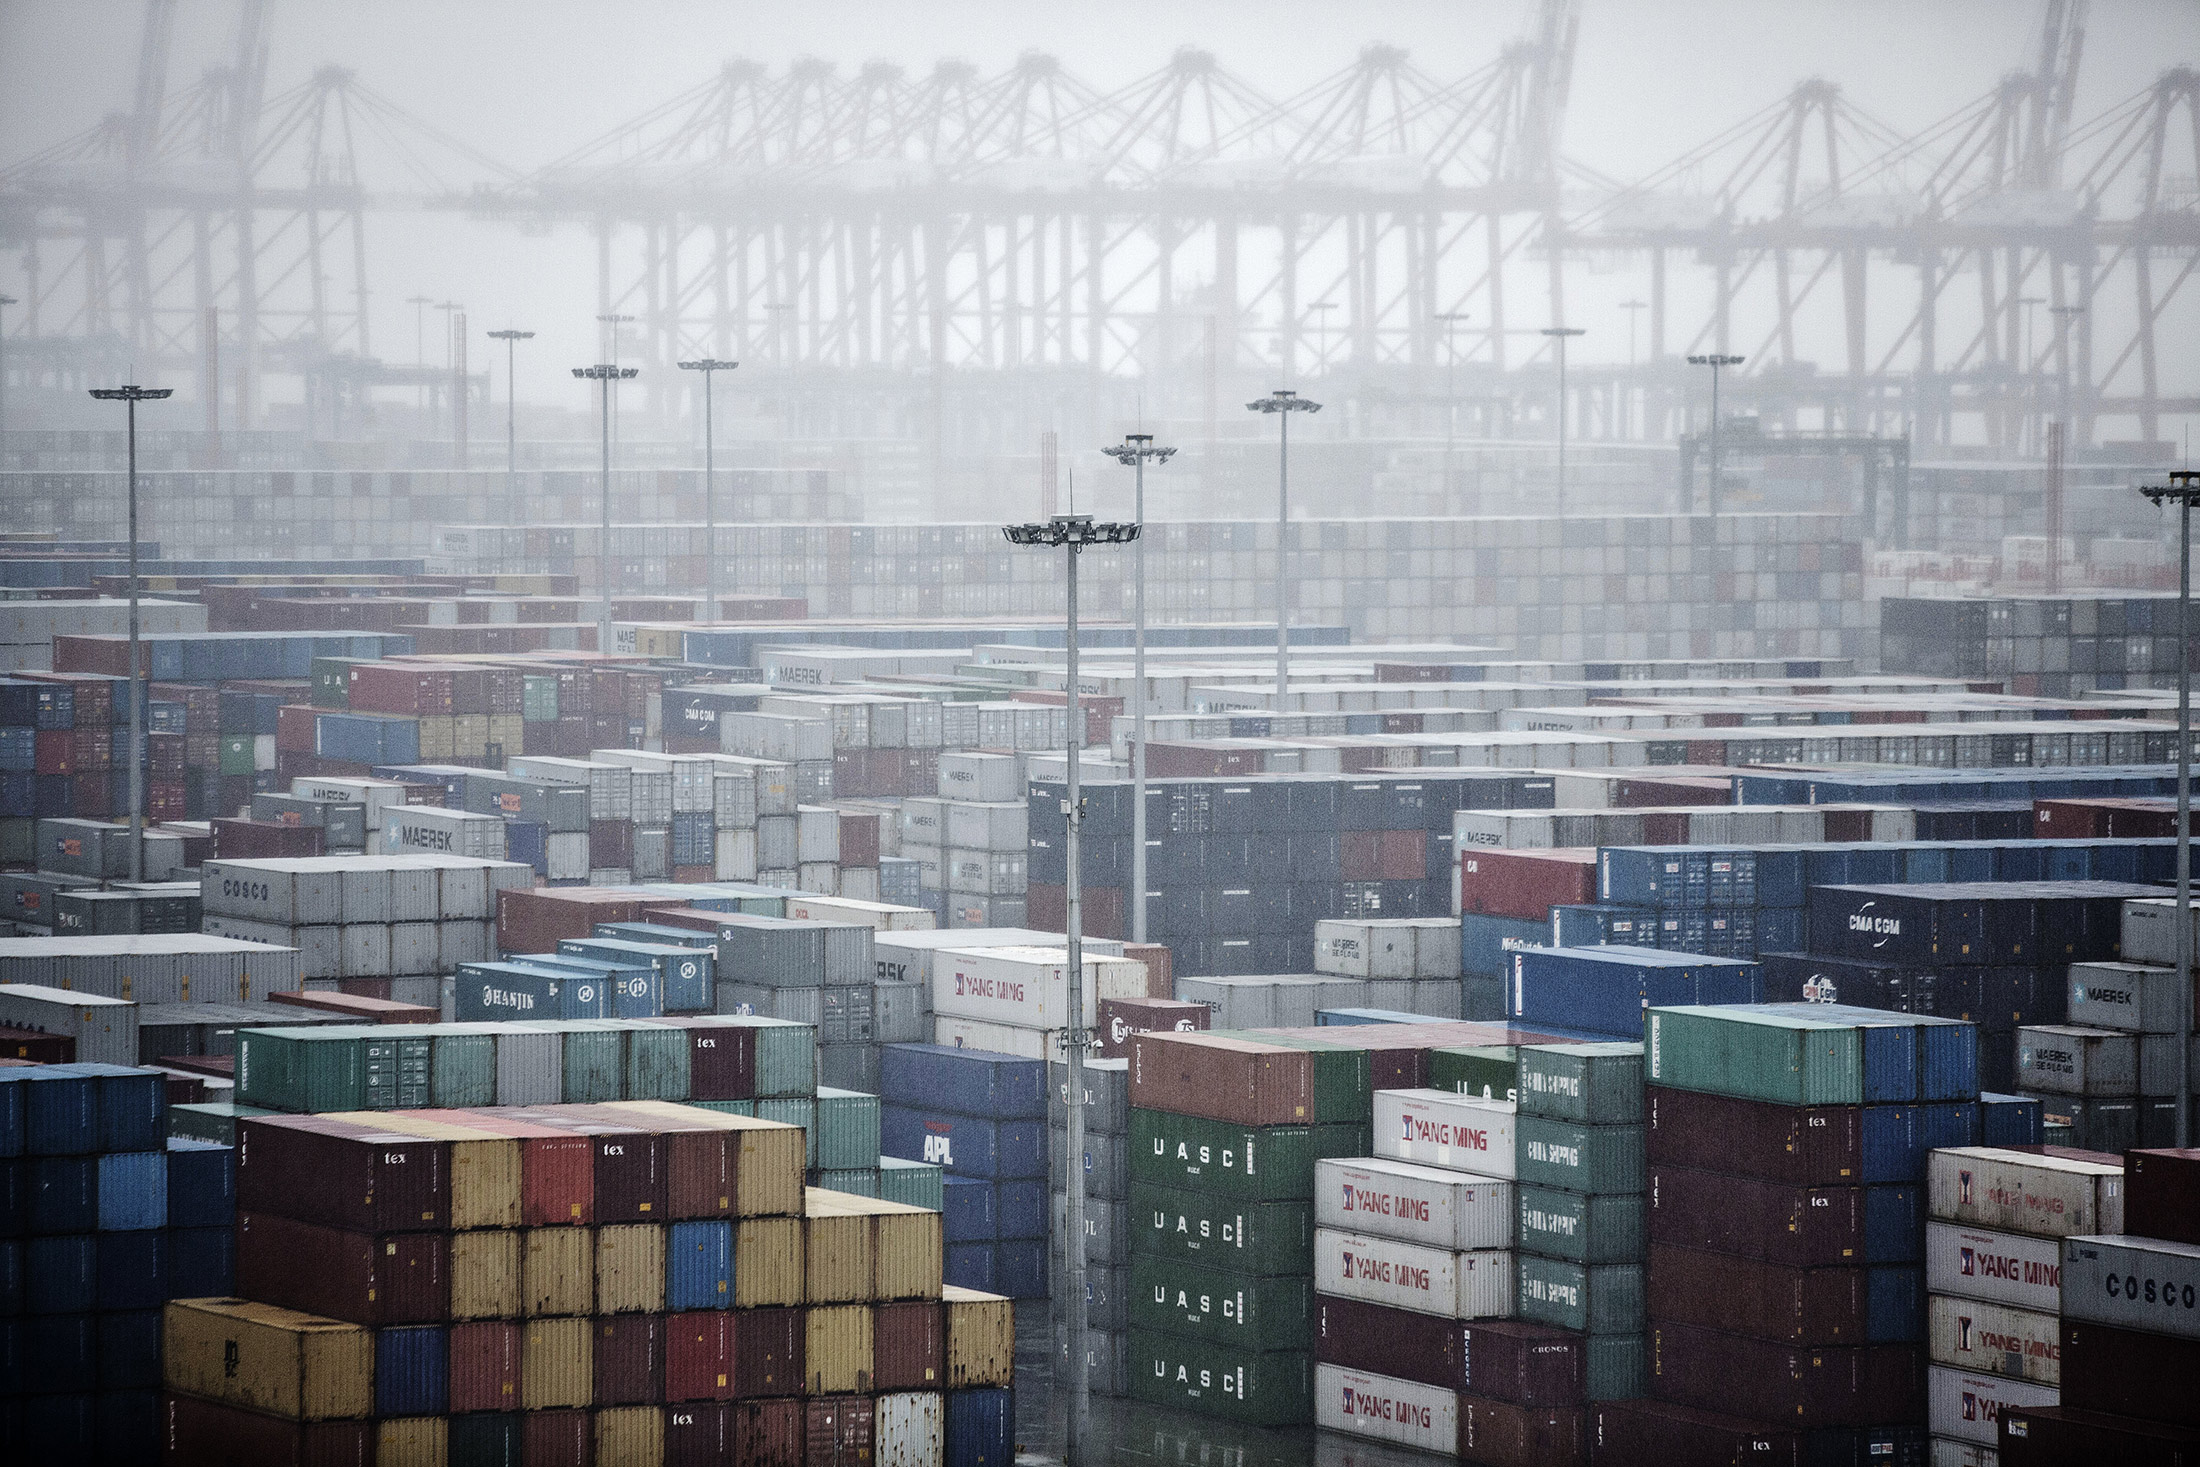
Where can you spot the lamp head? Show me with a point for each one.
(708, 364)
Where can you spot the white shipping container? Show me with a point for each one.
(817, 834)
(463, 942)
(821, 878)
(2015, 1269)
(363, 950)
(1441, 998)
(993, 1038)
(985, 873)
(974, 776)
(2150, 930)
(2018, 1192)
(2062, 1059)
(1949, 1452)
(733, 856)
(1967, 1405)
(1994, 1339)
(317, 947)
(426, 829)
(1435, 947)
(1438, 1128)
(1416, 1204)
(2144, 1284)
(907, 957)
(986, 826)
(860, 883)
(105, 1029)
(1439, 1281)
(2134, 997)
(924, 821)
(878, 916)
(288, 892)
(1028, 987)
(909, 1430)
(378, 796)
(1364, 949)
(415, 948)
(1423, 1417)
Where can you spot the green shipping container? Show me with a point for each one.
(463, 1071)
(397, 1071)
(727, 1107)
(786, 1056)
(1178, 1298)
(1599, 1084)
(656, 1061)
(1598, 1298)
(1242, 1237)
(235, 756)
(1598, 1159)
(1344, 1079)
(859, 1180)
(18, 842)
(1253, 1163)
(303, 1070)
(1754, 1056)
(1617, 1366)
(912, 1183)
(1353, 1140)
(847, 1130)
(794, 1111)
(1275, 1389)
(331, 682)
(211, 1120)
(595, 1061)
(538, 699)
(1489, 1071)
(1580, 1228)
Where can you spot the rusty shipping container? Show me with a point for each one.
(768, 1267)
(557, 1272)
(391, 1278)
(768, 1164)
(1802, 1227)
(1502, 1434)
(838, 1431)
(699, 1157)
(699, 1355)
(1785, 1385)
(629, 1436)
(556, 1364)
(1526, 1364)
(1222, 1079)
(1120, 1018)
(484, 1366)
(1802, 1145)
(629, 1163)
(837, 1349)
(908, 1346)
(557, 1167)
(838, 1251)
(341, 1175)
(277, 1361)
(485, 1169)
(768, 1351)
(1771, 1301)
(981, 1338)
(485, 1274)
(557, 1438)
(630, 1269)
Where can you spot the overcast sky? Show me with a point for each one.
(525, 82)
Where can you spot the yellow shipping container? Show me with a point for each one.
(470, 735)
(981, 1339)
(630, 1436)
(484, 1168)
(630, 1269)
(507, 732)
(836, 1349)
(412, 1441)
(558, 1271)
(437, 738)
(836, 1248)
(907, 1245)
(767, 1262)
(297, 1366)
(485, 1274)
(557, 1362)
(768, 1181)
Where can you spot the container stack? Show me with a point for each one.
(1994, 1262)
(1606, 990)
(1106, 1165)
(1015, 1000)
(109, 1220)
(159, 968)
(1222, 1247)
(1410, 963)
(2127, 1359)
(981, 1116)
(823, 974)
(971, 841)
(1505, 901)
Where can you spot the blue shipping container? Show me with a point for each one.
(133, 1190)
(2009, 1120)
(1020, 1268)
(969, 1266)
(968, 1082)
(965, 1145)
(699, 1266)
(133, 1270)
(11, 1276)
(967, 1210)
(981, 1429)
(1021, 1207)
(202, 1184)
(60, 1194)
(61, 1112)
(486, 992)
(129, 1350)
(1895, 1305)
(202, 1262)
(1894, 1223)
(133, 1106)
(1608, 989)
(63, 1274)
(411, 1371)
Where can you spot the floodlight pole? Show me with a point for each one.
(133, 395)
(1283, 402)
(1559, 334)
(5, 300)
(1135, 450)
(511, 340)
(1074, 532)
(607, 374)
(2182, 489)
(707, 366)
(1452, 320)
(1714, 360)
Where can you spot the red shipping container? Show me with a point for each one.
(1529, 1364)
(484, 1369)
(2162, 1194)
(770, 1434)
(1677, 789)
(54, 751)
(90, 749)
(1222, 1079)
(537, 921)
(1401, 855)
(1806, 1146)
(94, 796)
(1359, 855)
(365, 1010)
(630, 1360)
(768, 1352)
(166, 800)
(1160, 967)
(838, 1430)
(909, 1346)
(102, 654)
(557, 1438)
(1501, 1434)
(629, 1164)
(391, 1278)
(248, 840)
(1797, 1306)
(858, 838)
(610, 844)
(1668, 828)
(1809, 1388)
(701, 1161)
(2064, 1436)
(397, 687)
(2129, 1373)
(721, 1061)
(42, 1049)
(372, 988)
(1120, 1018)
(1775, 1222)
(1525, 885)
(557, 1169)
(297, 728)
(198, 1433)
(699, 1356)
(342, 1175)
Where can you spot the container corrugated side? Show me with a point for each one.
(558, 1272)
(768, 1265)
(1967, 1405)
(1384, 1408)
(911, 1430)
(1182, 1298)
(630, 1269)
(1216, 1379)
(1472, 1285)
(2012, 1269)
(1993, 1339)
(1443, 1129)
(981, 1338)
(485, 1274)
(557, 1364)
(2020, 1192)
(1433, 1206)
(266, 1359)
(1755, 1057)
(837, 1349)
(2133, 1283)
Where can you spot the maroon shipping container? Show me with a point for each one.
(1803, 1227)
(393, 1278)
(1674, 789)
(1526, 1364)
(699, 1434)
(630, 1360)
(1120, 1018)
(2131, 1374)
(557, 1169)
(1525, 885)
(1501, 1434)
(1628, 1433)
(2064, 1436)
(1806, 1145)
(342, 1175)
(858, 838)
(2162, 1194)
(255, 840)
(1222, 1079)
(1796, 1306)
(769, 1433)
(1160, 967)
(909, 1346)
(196, 1433)
(721, 1061)
(768, 1352)
(416, 688)
(692, 918)
(838, 1431)
(537, 921)
(700, 1161)
(484, 1369)
(363, 1010)
(374, 988)
(629, 1164)
(1801, 1388)
(699, 1355)
(40, 1049)
(557, 1438)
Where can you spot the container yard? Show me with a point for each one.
(1039, 739)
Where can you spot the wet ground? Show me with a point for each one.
(1152, 1436)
